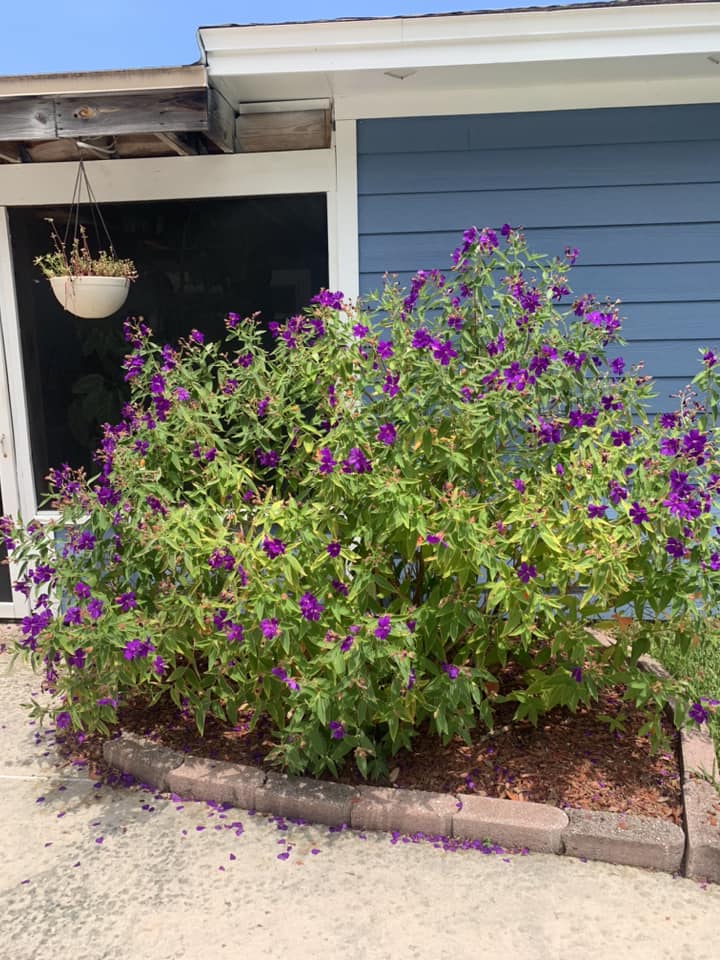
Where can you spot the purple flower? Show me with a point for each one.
(698, 713)
(339, 587)
(347, 643)
(387, 434)
(221, 559)
(269, 628)
(106, 702)
(232, 320)
(157, 385)
(621, 438)
(85, 541)
(95, 608)
(384, 349)
(197, 337)
(356, 462)
(616, 492)
(548, 432)
(577, 674)
(638, 514)
(267, 458)
(73, 615)
(327, 462)
(333, 548)
(693, 444)
(310, 607)
(135, 649)
(360, 331)
(709, 359)
(284, 678)
(126, 601)
(668, 420)
(156, 506)
(443, 352)
(674, 547)
(559, 469)
(233, 631)
(82, 590)
(62, 720)
(337, 731)
(519, 486)
(526, 572)
(244, 360)
(133, 365)
(714, 563)
(273, 547)
(494, 347)
(618, 366)
(421, 339)
(76, 659)
(596, 510)
(411, 680)
(158, 666)
(382, 629)
(451, 670)
(326, 298)
(262, 407)
(390, 384)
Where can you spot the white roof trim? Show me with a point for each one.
(518, 36)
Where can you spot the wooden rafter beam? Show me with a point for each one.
(179, 145)
(11, 153)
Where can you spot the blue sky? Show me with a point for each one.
(53, 36)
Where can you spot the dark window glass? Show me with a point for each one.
(197, 260)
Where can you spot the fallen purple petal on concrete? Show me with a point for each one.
(40, 800)
(232, 857)
(314, 851)
(99, 839)
(283, 856)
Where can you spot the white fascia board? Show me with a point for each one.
(529, 36)
(530, 98)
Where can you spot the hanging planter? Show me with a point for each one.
(86, 286)
(90, 297)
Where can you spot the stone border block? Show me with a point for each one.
(511, 823)
(216, 780)
(408, 811)
(299, 797)
(702, 824)
(146, 761)
(623, 838)
(697, 754)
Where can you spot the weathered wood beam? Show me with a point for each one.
(154, 111)
(27, 118)
(283, 130)
(221, 122)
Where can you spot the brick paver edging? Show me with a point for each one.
(614, 838)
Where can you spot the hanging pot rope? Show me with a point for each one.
(82, 181)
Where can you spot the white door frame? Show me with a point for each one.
(330, 171)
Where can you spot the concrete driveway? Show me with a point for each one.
(94, 872)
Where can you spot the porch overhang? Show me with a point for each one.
(127, 113)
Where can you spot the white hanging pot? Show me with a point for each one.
(90, 297)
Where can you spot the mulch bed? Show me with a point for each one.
(568, 760)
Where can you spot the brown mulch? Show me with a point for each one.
(568, 760)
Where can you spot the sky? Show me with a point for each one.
(57, 36)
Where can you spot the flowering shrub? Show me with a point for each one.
(354, 533)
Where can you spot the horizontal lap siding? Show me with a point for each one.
(637, 190)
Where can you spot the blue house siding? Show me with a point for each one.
(636, 189)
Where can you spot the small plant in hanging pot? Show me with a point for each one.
(86, 286)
